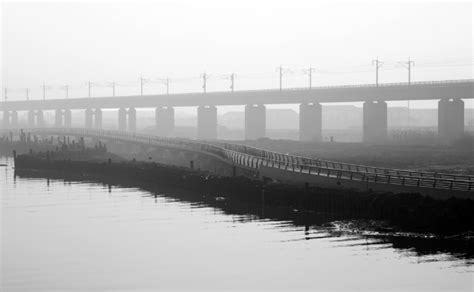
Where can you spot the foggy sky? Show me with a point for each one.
(73, 43)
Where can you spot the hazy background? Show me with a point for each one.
(74, 43)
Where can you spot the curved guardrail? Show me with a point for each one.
(255, 158)
(301, 160)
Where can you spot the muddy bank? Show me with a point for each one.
(406, 212)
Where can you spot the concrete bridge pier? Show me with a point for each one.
(31, 119)
(89, 117)
(164, 121)
(122, 119)
(39, 119)
(255, 121)
(14, 119)
(311, 122)
(6, 119)
(374, 125)
(132, 119)
(67, 118)
(207, 123)
(450, 119)
(98, 118)
(58, 118)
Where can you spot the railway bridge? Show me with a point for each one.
(449, 94)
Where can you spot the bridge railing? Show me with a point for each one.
(287, 158)
(136, 137)
(256, 158)
(389, 179)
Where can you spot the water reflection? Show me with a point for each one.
(82, 235)
(290, 220)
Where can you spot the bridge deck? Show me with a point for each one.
(429, 90)
(255, 158)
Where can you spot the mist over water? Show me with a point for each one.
(83, 235)
(243, 145)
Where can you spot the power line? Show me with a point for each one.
(204, 77)
(166, 82)
(66, 90)
(230, 77)
(111, 85)
(282, 71)
(378, 65)
(408, 66)
(309, 72)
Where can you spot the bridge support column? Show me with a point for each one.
(58, 118)
(67, 118)
(207, 123)
(450, 119)
(132, 119)
(164, 121)
(31, 119)
(122, 119)
(374, 125)
(89, 118)
(14, 119)
(6, 119)
(98, 119)
(255, 121)
(39, 119)
(311, 122)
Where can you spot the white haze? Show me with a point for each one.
(73, 43)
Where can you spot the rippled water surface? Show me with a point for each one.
(60, 236)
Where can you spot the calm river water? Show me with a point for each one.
(85, 236)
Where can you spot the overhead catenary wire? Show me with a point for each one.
(282, 71)
(310, 72)
(408, 65)
(11, 93)
(378, 65)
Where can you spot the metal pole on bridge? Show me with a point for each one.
(408, 66)
(378, 65)
(166, 82)
(281, 75)
(66, 88)
(232, 78)
(204, 77)
(309, 72)
(282, 71)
